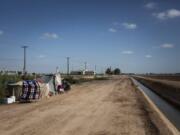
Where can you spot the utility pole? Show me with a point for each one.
(24, 67)
(95, 69)
(85, 66)
(67, 65)
(57, 69)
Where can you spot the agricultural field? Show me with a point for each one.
(165, 77)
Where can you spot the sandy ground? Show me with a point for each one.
(109, 107)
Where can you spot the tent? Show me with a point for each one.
(49, 84)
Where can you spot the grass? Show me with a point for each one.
(5, 79)
(74, 80)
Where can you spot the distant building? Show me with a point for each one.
(10, 72)
(76, 72)
(89, 73)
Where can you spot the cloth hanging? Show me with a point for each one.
(30, 90)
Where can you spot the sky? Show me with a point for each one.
(137, 36)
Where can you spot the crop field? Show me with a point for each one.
(165, 77)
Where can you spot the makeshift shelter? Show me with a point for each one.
(49, 85)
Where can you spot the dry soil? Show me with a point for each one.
(108, 107)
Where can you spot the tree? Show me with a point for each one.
(108, 71)
(19, 73)
(117, 71)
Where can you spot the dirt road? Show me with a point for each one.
(109, 107)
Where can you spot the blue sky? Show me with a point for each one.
(135, 35)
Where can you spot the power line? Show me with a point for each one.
(24, 67)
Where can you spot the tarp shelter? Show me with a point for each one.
(49, 84)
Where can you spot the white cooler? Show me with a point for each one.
(9, 100)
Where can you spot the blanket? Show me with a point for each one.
(30, 90)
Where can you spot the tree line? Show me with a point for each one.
(110, 71)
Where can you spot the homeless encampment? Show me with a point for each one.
(42, 87)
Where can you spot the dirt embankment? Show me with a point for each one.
(170, 90)
(109, 107)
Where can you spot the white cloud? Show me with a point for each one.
(167, 45)
(151, 5)
(1, 32)
(41, 56)
(112, 30)
(148, 56)
(169, 14)
(172, 13)
(130, 26)
(161, 15)
(127, 52)
(48, 35)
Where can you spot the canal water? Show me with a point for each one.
(170, 111)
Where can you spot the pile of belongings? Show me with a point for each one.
(66, 85)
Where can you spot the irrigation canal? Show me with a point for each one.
(170, 111)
